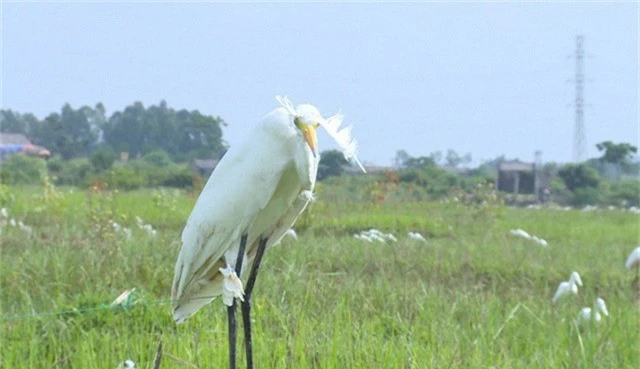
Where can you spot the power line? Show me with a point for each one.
(579, 140)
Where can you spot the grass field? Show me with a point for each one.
(474, 296)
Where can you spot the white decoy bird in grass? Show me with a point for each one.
(127, 364)
(291, 233)
(568, 287)
(539, 241)
(254, 195)
(588, 314)
(390, 237)
(520, 233)
(417, 236)
(376, 235)
(633, 260)
(362, 237)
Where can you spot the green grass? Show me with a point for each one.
(473, 297)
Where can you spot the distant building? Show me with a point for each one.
(11, 143)
(517, 177)
(204, 167)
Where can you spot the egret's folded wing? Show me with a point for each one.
(235, 193)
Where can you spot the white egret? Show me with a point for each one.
(587, 314)
(568, 287)
(251, 199)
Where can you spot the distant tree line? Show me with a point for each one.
(161, 141)
(75, 133)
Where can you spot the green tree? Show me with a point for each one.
(436, 156)
(401, 158)
(182, 134)
(69, 133)
(124, 131)
(331, 163)
(453, 159)
(577, 176)
(616, 154)
(14, 122)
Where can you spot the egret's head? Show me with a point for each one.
(307, 119)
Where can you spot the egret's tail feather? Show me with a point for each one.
(186, 306)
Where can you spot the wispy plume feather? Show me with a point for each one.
(287, 105)
(342, 136)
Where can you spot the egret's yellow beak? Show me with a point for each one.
(309, 134)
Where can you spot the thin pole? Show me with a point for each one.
(246, 304)
(231, 310)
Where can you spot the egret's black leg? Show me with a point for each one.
(231, 310)
(246, 304)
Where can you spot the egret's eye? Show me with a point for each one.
(297, 121)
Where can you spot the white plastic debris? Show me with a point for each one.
(231, 286)
(127, 364)
(124, 298)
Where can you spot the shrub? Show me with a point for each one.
(22, 169)
(158, 158)
(585, 196)
(55, 164)
(102, 159)
(181, 177)
(124, 177)
(625, 192)
(579, 176)
(74, 172)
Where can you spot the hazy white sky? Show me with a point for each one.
(487, 78)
